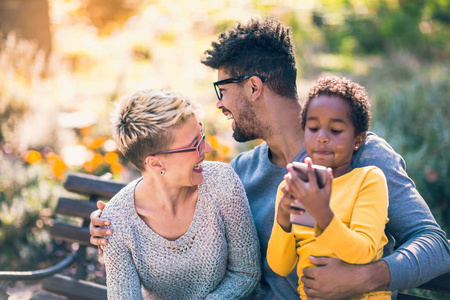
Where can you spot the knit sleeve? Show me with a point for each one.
(360, 242)
(121, 275)
(243, 263)
(281, 252)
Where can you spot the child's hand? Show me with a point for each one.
(285, 209)
(315, 200)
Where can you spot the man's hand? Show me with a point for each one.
(97, 233)
(335, 279)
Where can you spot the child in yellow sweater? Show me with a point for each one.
(350, 210)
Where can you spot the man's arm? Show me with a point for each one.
(95, 227)
(335, 279)
(422, 249)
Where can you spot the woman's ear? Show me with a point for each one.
(153, 162)
(359, 140)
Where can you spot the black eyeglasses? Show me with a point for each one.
(234, 80)
(199, 147)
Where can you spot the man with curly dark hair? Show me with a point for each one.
(262, 49)
(256, 88)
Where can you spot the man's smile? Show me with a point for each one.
(227, 114)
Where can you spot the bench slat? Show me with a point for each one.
(72, 288)
(71, 234)
(438, 284)
(40, 295)
(75, 207)
(401, 296)
(91, 185)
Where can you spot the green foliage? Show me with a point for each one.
(419, 27)
(27, 195)
(413, 117)
(429, 294)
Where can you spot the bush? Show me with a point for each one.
(27, 195)
(412, 116)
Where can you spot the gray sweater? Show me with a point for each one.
(217, 258)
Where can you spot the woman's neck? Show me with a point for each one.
(155, 194)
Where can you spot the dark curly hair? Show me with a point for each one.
(262, 47)
(348, 90)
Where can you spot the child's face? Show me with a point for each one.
(330, 134)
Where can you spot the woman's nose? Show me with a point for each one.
(208, 147)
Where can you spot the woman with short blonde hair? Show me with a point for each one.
(141, 127)
(183, 230)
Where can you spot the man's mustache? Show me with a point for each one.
(224, 110)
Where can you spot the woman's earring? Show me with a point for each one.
(356, 147)
(163, 172)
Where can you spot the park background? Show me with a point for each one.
(64, 62)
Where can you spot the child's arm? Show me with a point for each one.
(358, 242)
(281, 250)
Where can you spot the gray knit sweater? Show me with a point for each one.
(217, 258)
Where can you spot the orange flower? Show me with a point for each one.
(85, 131)
(116, 168)
(89, 167)
(57, 165)
(59, 168)
(98, 142)
(97, 160)
(111, 158)
(213, 141)
(32, 157)
(51, 156)
(224, 151)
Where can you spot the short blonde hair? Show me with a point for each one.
(143, 121)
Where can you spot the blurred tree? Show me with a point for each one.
(107, 15)
(29, 19)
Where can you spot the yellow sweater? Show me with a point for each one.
(359, 201)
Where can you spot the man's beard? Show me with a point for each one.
(248, 127)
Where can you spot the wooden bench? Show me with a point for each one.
(55, 285)
(439, 284)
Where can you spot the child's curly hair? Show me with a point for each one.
(262, 47)
(348, 90)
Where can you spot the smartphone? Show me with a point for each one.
(301, 169)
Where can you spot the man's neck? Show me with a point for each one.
(283, 149)
(286, 138)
